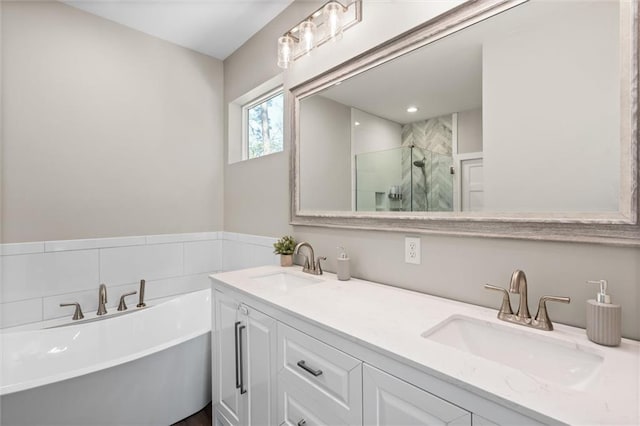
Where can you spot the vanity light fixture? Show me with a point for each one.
(308, 36)
(357, 123)
(325, 24)
(412, 109)
(333, 12)
(285, 51)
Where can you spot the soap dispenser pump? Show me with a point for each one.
(603, 318)
(343, 270)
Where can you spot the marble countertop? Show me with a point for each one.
(394, 320)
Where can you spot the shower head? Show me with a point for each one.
(419, 163)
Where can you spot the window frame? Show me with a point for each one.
(279, 90)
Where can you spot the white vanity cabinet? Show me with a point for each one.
(389, 401)
(244, 357)
(293, 372)
(329, 379)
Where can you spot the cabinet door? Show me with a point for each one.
(227, 397)
(219, 419)
(389, 401)
(261, 362)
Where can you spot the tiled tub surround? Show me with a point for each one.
(38, 276)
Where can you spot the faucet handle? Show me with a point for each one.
(505, 308)
(542, 317)
(77, 314)
(318, 266)
(123, 306)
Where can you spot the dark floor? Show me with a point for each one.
(201, 418)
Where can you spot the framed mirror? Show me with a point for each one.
(513, 119)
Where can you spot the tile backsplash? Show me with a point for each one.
(38, 276)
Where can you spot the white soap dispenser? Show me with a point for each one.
(343, 269)
(604, 319)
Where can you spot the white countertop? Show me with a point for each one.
(394, 319)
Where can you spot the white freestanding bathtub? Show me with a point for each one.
(150, 367)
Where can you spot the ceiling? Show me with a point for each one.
(213, 27)
(442, 77)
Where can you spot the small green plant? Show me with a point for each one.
(284, 245)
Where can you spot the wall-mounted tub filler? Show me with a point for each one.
(518, 285)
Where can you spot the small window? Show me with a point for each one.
(263, 121)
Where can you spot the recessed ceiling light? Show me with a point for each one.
(412, 109)
(357, 123)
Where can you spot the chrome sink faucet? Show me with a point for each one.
(518, 285)
(311, 266)
(102, 300)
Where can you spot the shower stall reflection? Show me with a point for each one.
(403, 179)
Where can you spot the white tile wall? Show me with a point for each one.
(22, 277)
(130, 264)
(67, 271)
(202, 256)
(27, 276)
(21, 248)
(181, 238)
(94, 243)
(38, 276)
(21, 312)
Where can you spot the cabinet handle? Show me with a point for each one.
(236, 347)
(302, 422)
(308, 369)
(242, 388)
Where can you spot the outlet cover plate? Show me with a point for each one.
(412, 250)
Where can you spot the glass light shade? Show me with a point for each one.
(308, 36)
(285, 51)
(333, 13)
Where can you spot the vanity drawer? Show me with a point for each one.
(328, 376)
(296, 408)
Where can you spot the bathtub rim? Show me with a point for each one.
(6, 389)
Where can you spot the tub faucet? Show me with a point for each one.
(311, 266)
(102, 300)
(122, 306)
(77, 314)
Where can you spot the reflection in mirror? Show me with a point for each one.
(518, 113)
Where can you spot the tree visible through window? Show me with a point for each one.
(264, 121)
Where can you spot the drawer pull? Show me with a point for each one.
(302, 422)
(308, 369)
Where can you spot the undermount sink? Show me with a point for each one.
(546, 358)
(285, 281)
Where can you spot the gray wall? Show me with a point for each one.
(453, 267)
(107, 131)
(470, 131)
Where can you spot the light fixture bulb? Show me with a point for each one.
(308, 36)
(412, 109)
(285, 51)
(357, 123)
(333, 12)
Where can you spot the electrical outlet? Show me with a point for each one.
(412, 250)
